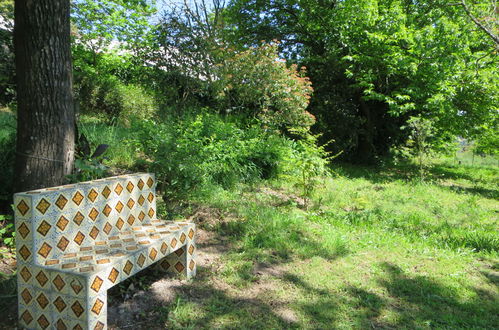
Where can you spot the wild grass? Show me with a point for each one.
(122, 152)
(377, 249)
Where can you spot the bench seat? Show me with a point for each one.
(70, 257)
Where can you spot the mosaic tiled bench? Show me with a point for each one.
(74, 242)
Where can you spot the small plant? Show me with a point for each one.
(7, 231)
(418, 146)
(308, 163)
(88, 166)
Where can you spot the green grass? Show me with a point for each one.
(377, 249)
(122, 151)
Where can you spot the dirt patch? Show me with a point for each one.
(282, 197)
(7, 262)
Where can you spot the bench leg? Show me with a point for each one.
(48, 309)
(181, 261)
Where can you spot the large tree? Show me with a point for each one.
(45, 128)
(375, 63)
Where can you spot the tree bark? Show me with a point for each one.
(366, 151)
(45, 123)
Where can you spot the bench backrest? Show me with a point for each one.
(60, 220)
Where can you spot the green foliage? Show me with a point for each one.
(122, 153)
(307, 164)
(7, 231)
(7, 70)
(98, 22)
(380, 250)
(418, 145)
(88, 169)
(193, 152)
(488, 142)
(104, 85)
(7, 152)
(373, 64)
(258, 83)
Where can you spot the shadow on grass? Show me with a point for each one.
(408, 172)
(411, 301)
(196, 304)
(8, 301)
(423, 301)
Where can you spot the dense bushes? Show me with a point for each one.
(257, 83)
(206, 149)
(105, 86)
(7, 157)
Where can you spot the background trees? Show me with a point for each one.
(372, 64)
(375, 63)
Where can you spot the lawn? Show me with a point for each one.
(376, 248)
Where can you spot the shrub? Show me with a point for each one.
(206, 149)
(257, 83)
(104, 85)
(306, 165)
(7, 152)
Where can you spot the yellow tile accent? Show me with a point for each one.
(23, 207)
(179, 267)
(93, 214)
(173, 242)
(79, 238)
(94, 232)
(113, 275)
(61, 202)
(153, 254)
(78, 198)
(62, 223)
(26, 316)
(23, 230)
(77, 309)
(45, 250)
(43, 322)
(59, 282)
(24, 252)
(63, 243)
(183, 238)
(26, 295)
(25, 274)
(97, 306)
(92, 195)
(106, 192)
(76, 286)
(42, 300)
(119, 206)
(128, 267)
(43, 206)
(78, 218)
(60, 304)
(96, 284)
(44, 228)
(118, 189)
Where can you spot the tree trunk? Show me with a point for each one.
(366, 152)
(45, 123)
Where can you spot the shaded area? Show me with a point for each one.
(411, 301)
(436, 175)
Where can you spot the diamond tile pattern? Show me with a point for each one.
(83, 239)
